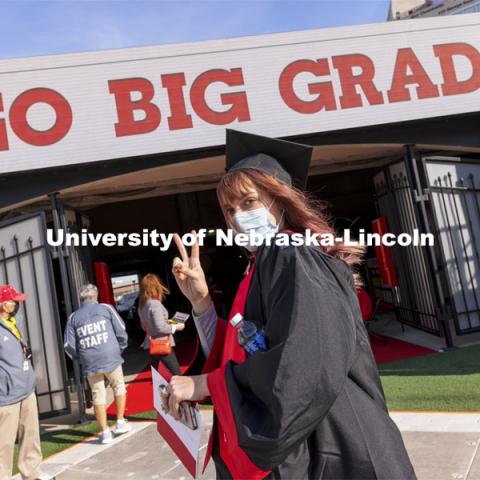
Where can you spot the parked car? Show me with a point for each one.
(127, 308)
(127, 302)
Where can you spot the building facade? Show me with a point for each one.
(131, 139)
(403, 9)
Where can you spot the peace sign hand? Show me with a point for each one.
(190, 277)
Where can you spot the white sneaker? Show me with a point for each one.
(44, 476)
(122, 426)
(106, 436)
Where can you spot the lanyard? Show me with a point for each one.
(27, 352)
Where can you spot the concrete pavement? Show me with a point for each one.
(143, 456)
(139, 454)
(442, 446)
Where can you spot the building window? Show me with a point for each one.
(471, 9)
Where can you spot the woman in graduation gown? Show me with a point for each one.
(311, 405)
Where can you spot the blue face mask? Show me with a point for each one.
(258, 221)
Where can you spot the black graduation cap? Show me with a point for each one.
(287, 161)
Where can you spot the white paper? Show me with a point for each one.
(181, 317)
(191, 438)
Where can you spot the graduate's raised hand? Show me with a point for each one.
(190, 277)
(182, 389)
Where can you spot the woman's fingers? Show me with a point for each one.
(181, 247)
(180, 269)
(177, 269)
(177, 265)
(194, 259)
(195, 256)
(174, 407)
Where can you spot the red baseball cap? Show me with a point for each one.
(9, 293)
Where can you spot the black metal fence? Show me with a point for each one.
(414, 297)
(439, 285)
(25, 263)
(454, 209)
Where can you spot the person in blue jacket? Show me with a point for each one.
(95, 335)
(18, 402)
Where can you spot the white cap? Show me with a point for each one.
(236, 319)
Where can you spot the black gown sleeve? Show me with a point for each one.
(278, 397)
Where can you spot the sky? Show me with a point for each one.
(43, 27)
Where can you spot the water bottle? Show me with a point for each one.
(250, 338)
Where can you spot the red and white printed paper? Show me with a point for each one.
(184, 441)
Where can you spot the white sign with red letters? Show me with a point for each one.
(81, 108)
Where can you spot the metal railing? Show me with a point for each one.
(414, 298)
(455, 205)
(25, 263)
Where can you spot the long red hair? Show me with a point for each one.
(301, 212)
(151, 287)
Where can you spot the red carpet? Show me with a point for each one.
(139, 395)
(139, 391)
(388, 349)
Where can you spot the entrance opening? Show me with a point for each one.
(350, 203)
(181, 197)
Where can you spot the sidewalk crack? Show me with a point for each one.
(472, 459)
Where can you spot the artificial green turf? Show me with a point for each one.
(448, 381)
(146, 416)
(58, 440)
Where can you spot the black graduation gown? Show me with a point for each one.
(312, 405)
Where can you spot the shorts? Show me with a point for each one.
(97, 384)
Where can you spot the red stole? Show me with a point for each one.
(224, 349)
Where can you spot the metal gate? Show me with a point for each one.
(79, 259)
(439, 286)
(26, 264)
(414, 297)
(453, 185)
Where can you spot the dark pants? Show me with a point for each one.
(170, 361)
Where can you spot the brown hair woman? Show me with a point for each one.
(154, 318)
(310, 404)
